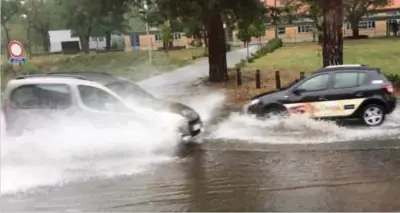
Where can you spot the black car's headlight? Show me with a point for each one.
(255, 101)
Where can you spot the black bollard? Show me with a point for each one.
(277, 80)
(238, 77)
(302, 75)
(258, 79)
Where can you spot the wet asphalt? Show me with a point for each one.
(344, 177)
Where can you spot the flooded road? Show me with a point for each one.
(311, 178)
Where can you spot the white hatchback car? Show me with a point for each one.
(29, 100)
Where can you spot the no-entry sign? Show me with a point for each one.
(16, 50)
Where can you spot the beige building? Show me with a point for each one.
(375, 24)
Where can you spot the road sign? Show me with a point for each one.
(17, 60)
(16, 50)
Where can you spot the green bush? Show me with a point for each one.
(394, 78)
(271, 46)
(241, 63)
(228, 47)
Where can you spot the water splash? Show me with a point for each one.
(299, 130)
(74, 150)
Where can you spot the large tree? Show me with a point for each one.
(332, 48)
(314, 11)
(9, 9)
(355, 9)
(112, 18)
(211, 13)
(41, 16)
(93, 17)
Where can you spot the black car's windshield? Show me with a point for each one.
(287, 86)
(130, 90)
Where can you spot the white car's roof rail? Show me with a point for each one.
(49, 76)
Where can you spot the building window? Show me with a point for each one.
(101, 38)
(304, 29)
(94, 38)
(157, 36)
(281, 30)
(177, 36)
(363, 25)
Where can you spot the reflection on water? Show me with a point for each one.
(239, 181)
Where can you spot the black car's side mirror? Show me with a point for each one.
(298, 91)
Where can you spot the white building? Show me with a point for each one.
(59, 36)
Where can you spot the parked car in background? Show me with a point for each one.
(334, 92)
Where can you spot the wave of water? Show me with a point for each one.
(299, 130)
(73, 150)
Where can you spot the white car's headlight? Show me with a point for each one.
(255, 101)
(189, 113)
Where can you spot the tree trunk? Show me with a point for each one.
(248, 54)
(206, 38)
(332, 50)
(216, 48)
(45, 41)
(7, 38)
(355, 29)
(85, 43)
(108, 40)
(28, 36)
(165, 46)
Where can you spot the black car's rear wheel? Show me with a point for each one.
(373, 115)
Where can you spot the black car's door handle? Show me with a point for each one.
(322, 99)
(359, 94)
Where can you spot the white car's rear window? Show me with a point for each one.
(44, 96)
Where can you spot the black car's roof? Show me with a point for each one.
(360, 67)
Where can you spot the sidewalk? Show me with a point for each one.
(177, 82)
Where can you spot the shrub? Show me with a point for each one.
(241, 63)
(228, 47)
(271, 46)
(394, 78)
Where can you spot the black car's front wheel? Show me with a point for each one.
(273, 112)
(373, 115)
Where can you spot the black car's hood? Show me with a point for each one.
(265, 93)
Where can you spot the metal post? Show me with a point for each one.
(149, 44)
(147, 32)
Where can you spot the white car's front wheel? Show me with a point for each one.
(373, 115)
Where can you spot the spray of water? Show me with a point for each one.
(75, 149)
(299, 130)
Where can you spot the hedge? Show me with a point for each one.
(269, 47)
(394, 78)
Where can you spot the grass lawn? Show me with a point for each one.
(307, 57)
(133, 65)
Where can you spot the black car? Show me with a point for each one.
(338, 92)
(135, 94)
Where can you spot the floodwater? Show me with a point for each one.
(239, 164)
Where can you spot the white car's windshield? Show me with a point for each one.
(130, 90)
